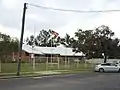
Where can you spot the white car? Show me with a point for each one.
(107, 67)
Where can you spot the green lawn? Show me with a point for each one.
(27, 67)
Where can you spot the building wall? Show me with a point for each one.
(42, 58)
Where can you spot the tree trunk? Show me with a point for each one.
(105, 57)
(104, 49)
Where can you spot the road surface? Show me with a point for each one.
(86, 81)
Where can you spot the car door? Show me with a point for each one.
(107, 66)
(113, 67)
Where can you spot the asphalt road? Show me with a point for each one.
(86, 81)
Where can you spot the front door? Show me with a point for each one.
(114, 67)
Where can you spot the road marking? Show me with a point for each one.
(37, 77)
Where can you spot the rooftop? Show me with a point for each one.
(61, 50)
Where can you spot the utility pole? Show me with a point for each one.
(21, 39)
(1, 39)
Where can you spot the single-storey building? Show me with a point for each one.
(59, 51)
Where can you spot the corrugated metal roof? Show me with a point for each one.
(63, 51)
(79, 54)
(29, 49)
(47, 50)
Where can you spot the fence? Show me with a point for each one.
(45, 64)
(100, 60)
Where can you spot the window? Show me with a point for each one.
(106, 64)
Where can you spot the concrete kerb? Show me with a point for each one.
(37, 74)
(29, 74)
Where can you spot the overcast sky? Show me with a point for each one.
(61, 22)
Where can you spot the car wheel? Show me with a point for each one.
(101, 70)
(119, 70)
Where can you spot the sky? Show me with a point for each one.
(62, 22)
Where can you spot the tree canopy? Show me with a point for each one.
(97, 43)
(8, 45)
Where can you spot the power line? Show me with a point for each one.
(70, 10)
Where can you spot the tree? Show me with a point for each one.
(43, 39)
(8, 46)
(114, 49)
(67, 40)
(84, 42)
(103, 36)
(95, 43)
(39, 40)
(30, 41)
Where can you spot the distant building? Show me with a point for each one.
(60, 51)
